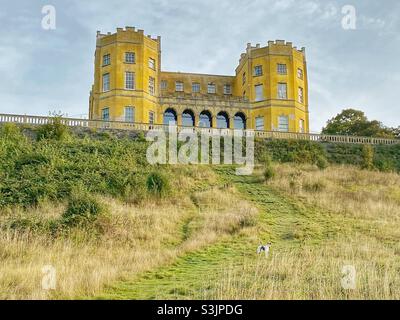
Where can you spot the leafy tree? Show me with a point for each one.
(396, 132)
(355, 123)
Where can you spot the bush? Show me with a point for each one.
(299, 151)
(157, 184)
(10, 131)
(269, 173)
(54, 130)
(82, 208)
(367, 157)
(322, 163)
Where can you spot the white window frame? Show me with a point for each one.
(227, 89)
(152, 85)
(300, 93)
(179, 87)
(258, 71)
(164, 84)
(129, 114)
(282, 90)
(195, 87)
(300, 73)
(259, 92)
(211, 88)
(259, 123)
(151, 117)
(129, 80)
(106, 82)
(105, 114)
(152, 63)
(130, 57)
(106, 59)
(301, 125)
(282, 68)
(283, 123)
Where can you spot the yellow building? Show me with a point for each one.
(269, 90)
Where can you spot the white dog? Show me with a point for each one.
(264, 248)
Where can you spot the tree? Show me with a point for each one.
(355, 123)
(396, 132)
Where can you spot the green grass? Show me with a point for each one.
(285, 222)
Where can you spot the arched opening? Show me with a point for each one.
(205, 119)
(188, 118)
(170, 117)
(240, 121)
(222, 120)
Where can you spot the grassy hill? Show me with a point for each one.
(115, 227)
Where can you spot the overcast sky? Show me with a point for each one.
(47, 70)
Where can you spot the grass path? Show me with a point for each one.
(284, 221)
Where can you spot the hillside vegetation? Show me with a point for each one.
(113, 226)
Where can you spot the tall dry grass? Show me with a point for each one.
(133, 239)
(366, 208)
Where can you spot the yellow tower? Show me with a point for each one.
(268, 92)
(126, 77)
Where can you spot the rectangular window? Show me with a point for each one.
(260, 123)
(105, 114)
(151, 117)
(257, 71)
(282, 68)
(106, 60)
(129, 114)
(259, 92)
(151, 85)
(244, 78)
(227, 89)
(195, 87)
(152, 64)
(301, 125)
(211, 88)
(164, 84)
(106, 82)
(282, 91)
(129, 80)
(283, 123)
(129, 57)
(179, 86)
(300, 73)
(300, 93)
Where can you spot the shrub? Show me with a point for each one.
(367, 157)
(10, 131)
(82, 208)
(322, 163)
(54, 130)
(269, 173)
(157, 184)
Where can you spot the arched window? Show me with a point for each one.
(188, 118)
(205, 119)
(170, 117)
(240, 121)
(222, 120)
